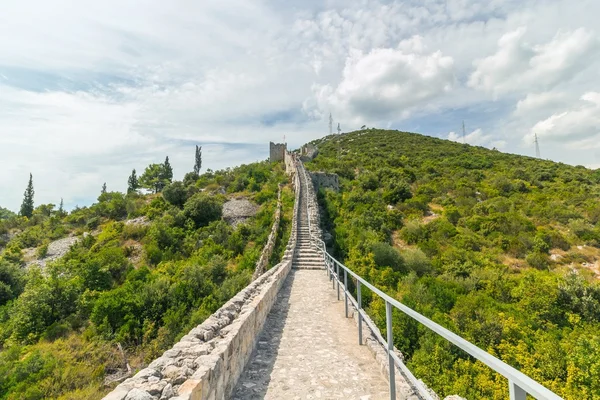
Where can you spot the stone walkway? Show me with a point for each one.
(309, 350)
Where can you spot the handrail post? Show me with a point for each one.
(346, 291)
(359, 304)
(390, 349)
(516, 393)
(337, 278)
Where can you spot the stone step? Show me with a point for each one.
(306, 267)
(309, 263)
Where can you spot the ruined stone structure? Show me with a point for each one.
(325, 180)
(277, 151)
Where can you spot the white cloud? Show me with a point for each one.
(578, 125)
(477, 138)
(518, 65)
(387, 83)
(89, 91)
(536, 102)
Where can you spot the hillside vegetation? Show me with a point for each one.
(502, 249)
(145, 269)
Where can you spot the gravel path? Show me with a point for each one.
(308, 350)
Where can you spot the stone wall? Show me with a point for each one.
(267, 251)
(313, 205)
(208, 361)
(290, 163)
(325, 180)
(277, 151)
(308, 152)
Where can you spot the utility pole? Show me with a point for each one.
(537, 146)
(330, 124)
(339, 129)
(464, 133)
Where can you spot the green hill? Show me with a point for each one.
(143, 271)
(501, 249)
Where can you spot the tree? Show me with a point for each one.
(132, 182)
(198, 163)
(166, 175)
(152, 178)
(5, 213)
(27, 205)
(103, 188)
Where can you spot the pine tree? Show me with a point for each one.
(27, 205)
(104, 188)
(132, 182)
(198, 163)
(166, 174)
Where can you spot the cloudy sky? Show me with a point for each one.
(91, 89)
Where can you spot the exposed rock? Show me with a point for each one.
(56, 250)
(167, 392)
(138, 394)
(236, 211)
(139, 221)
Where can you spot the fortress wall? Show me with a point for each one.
(208, 361)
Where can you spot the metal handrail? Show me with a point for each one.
(519, 384)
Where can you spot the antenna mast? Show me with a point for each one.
(537, 147)
(330, 124)
(464, 133)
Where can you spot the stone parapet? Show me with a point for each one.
(267, 251)
(208, 361)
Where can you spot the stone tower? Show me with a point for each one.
(277, 151)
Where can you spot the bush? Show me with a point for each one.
(538, 260)
(203, 209)
(385, 255)
(396, 192)
(413, 232)
(42, 251)
(417, 261)
(175, 193)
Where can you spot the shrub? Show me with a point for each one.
(413, 232)
(396, 192)
(175, 193)
(385, 255)
(538, 260)
(202, 209)
(42, 251)
(415, 260)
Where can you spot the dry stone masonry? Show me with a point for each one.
(207, 362)
(267, 251)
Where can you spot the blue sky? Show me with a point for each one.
(91, 90)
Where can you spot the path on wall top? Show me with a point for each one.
(307, 349)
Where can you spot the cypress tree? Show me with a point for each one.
(132, 182)
(198, 162)
(166, 175)
(27, 205)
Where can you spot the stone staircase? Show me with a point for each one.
(305, 255)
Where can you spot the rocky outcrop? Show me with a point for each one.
(56, 250)
(207, 362)
(236, 211)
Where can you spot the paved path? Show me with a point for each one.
(309, 350)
